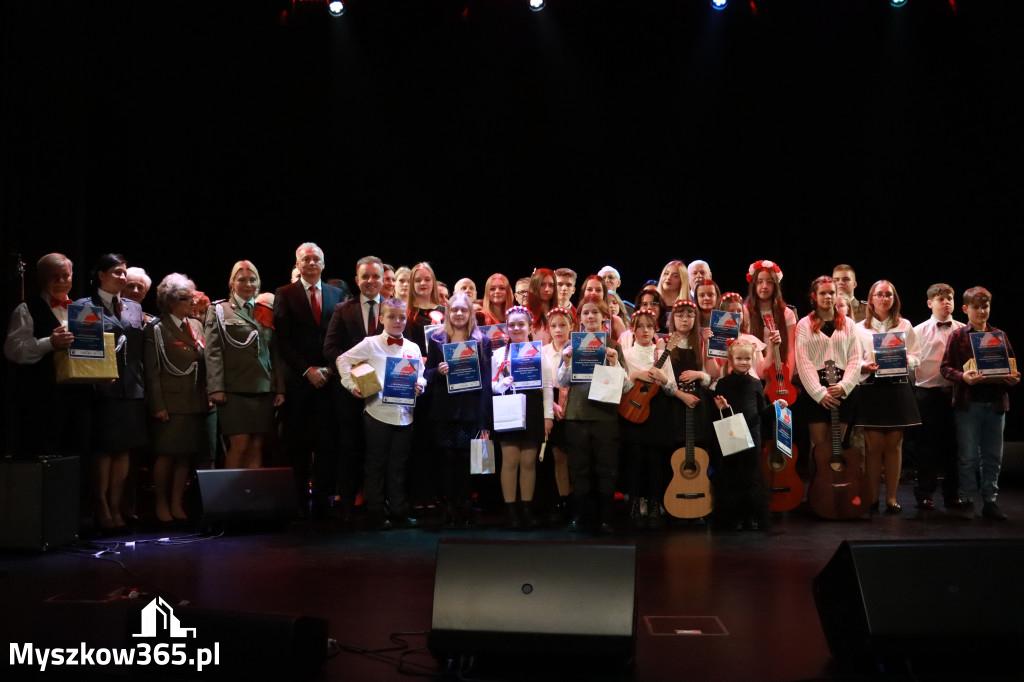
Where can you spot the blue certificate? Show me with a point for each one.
(496, 333)
(86, 323)
(526, 365)
(784, 429)
(725, 328)
(400, 377)
(890, 354)
(990, 353)
(588, 351)
(463, 366)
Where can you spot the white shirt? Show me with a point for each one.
(501, 385)
(814, 349)
(376, 350)
(642, 358)
(365, 310)
(865, 334)
(932, 340)
(20, 346)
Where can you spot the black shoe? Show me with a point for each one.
(405, 522)
(967, 510)
(513, 520)
(991, 510)
(926, 505)
(954, 503)
(576, 524)
(655, 519)
(381, 523)
(636, 516)
(893, 508)
(529, 519)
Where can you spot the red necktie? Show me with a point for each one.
(314, 301)
(371, 319)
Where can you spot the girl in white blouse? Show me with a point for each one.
(886, 405)
(821, 336)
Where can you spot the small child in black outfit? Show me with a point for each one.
(741, 499)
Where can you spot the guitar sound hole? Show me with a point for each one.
(690, 470)
(777, 464)
(837, 466)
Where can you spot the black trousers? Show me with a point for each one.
(387, 454)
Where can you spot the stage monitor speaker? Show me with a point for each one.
(534, 598)
(923, 603)
(38, 502)
(233, 495)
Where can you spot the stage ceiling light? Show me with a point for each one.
(537, 5)
(336, 8)
(719, 4)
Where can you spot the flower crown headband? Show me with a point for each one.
(643, 311)
(759, 265)
(684, 302)
(731, 296)
(519, 309)
(558, 310)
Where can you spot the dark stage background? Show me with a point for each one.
(482, 136)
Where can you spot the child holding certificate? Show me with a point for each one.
(592, 427)
(387, 414)
(519, 448)
(560, 323)
(741, 499)
(649, 444)
(980, 405)
(458, 411)
(708, 296)
(887, 406)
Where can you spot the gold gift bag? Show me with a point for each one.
(87, 370)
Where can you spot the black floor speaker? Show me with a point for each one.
(38, 502)
(504, 599)
(924, 604)
(244, 495)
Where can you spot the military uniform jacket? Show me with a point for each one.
(175, 367)
(240, 352)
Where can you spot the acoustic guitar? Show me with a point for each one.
(784, 483)
(689, 493)
(636, 405)
(836, 487)
(779, 383)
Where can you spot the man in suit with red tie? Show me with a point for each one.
(351, 322)
(300, 326)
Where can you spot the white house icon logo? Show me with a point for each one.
(158, 618)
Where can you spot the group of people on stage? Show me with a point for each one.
(252, 361)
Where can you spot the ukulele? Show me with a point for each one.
(778, 384)
(636, 405)
(835, 488)
(784, 483)
(689, 493)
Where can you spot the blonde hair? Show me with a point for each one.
(240, 265)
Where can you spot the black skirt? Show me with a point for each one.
(534, 432)
(887, 402)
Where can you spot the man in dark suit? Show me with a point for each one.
(301, 317)
(351, 322)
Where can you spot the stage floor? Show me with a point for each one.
(756, 586)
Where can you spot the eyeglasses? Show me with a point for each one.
(883, 295)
